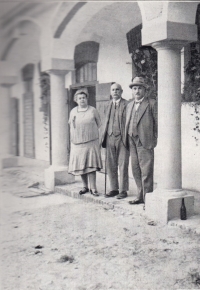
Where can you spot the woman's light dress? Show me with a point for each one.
(85, 154)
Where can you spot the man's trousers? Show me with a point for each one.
(117, 155)
(142, 164)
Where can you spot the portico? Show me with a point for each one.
(48, 36)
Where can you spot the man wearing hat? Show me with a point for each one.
(113, 140)
(141, 137)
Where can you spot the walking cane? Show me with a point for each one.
(105, 170)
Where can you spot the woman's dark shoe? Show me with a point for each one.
(95, 193)
(84, 190)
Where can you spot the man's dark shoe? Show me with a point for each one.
(112, 193)
(122, 195)
(136, 201)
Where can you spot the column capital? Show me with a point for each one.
(56, 72)
(58, 65)
(8, 74)
(169, 45)
(8, 81)
(167, 31)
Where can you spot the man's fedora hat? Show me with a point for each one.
(82, 91)
(138, 81)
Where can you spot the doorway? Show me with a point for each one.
(28, 114)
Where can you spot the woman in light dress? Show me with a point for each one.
(85, 158)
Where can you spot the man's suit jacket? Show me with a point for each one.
(147, 124)
(122, 120)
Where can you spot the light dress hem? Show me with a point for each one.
(85, 158)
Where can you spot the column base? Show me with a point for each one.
(57, 176)
(164, 205)
(9, 161)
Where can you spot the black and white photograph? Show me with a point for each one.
(100, 145)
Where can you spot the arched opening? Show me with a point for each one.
(144, 59)
(85, 58)
(28, 110)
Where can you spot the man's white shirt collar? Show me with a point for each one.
(139, 101)
(116, 102)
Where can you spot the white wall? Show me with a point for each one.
(113, 67)
(190, 149)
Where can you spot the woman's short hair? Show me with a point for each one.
(83, 91)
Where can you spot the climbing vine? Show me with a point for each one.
(145, 62)
(45, 104)
(191, 91)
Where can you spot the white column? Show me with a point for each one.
(59, 119)
(5, 106)
(169, 114)
(164, 203)
(57, 174)
(7, 159)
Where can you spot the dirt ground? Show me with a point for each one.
(55, 242)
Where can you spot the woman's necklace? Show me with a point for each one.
(82, 109)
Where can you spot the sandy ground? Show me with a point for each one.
(54, 242)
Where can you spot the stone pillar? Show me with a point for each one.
(57, 173)
(169, 114)
(7, 159)
(165, 202)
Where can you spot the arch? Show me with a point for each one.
(182, 12)
(17, 32)
(72, 34)
(8, 48)
(68, 18)
(70, 29)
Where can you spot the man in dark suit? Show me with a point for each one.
(141, 137)
(114, 142)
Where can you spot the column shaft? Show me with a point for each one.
(5, 121)
(169, 116)
(57, 173)
(6, 158)
(59, 120)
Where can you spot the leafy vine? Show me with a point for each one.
(145, 62)
(191, 91)
(45, 104)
